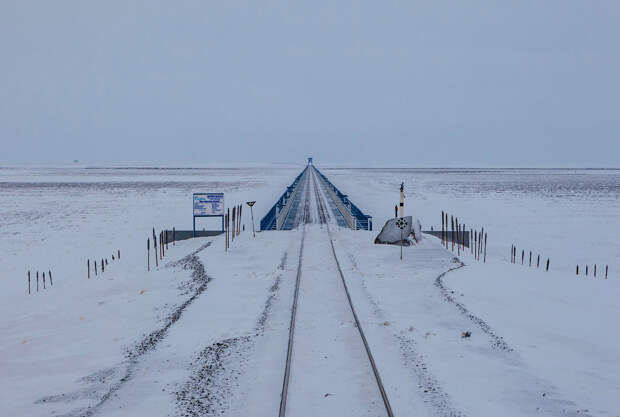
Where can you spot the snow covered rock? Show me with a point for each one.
(390, 233)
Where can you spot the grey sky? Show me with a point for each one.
(465, 83)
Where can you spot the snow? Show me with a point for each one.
(206, 332)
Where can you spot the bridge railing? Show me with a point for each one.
(270, 220)
(288, 202)
(352, 215)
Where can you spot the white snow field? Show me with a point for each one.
(206, 333)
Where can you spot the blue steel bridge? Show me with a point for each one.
(312, 198)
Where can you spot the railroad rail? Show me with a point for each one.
(324, 219)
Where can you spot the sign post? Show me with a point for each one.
(251, 204)
(208, 205)
(402, 224)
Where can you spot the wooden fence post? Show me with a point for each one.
(37, 281)
(29, 282)
(538, 261)
(155, 248)
(530, 259)
(95, 263)
(43, 279)
(548, 265)
(485, 247)
(606, 270)
(464, 233)
(447, 230)
(148, 254)
(594, 270)
(102, 266)
(49, 274)
(442, 227)
(475, 243)
(577, 270)
(174, 238)
(88, 267)
(458, 242)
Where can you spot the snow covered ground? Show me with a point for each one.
(206, 333)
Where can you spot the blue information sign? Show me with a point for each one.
(208, 205)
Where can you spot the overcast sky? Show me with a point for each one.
(437, 83)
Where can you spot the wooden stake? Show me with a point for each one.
(442, 227)
(95, 263)
(458, 243)
(606, 270)
(452, 229)
(155, 248)
(530, 258)
(148, 254)
(174, 238)
(548, 264)
(49, 274)
(88, 267)
(475, 243)
(464, 232)
(577, 270)
(102, 266)
(37, 281)
(522, 256)
(43, 279)
(594, 270)
(118, 252)
(28, 282)
(485, 248)
(538, 261)
(586, 270)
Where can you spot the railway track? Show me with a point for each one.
(323, 217)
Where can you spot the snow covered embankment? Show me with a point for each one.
(445, 370)
(85, 358)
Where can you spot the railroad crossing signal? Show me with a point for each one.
(251, 204)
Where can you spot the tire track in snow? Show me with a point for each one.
(557, 405)
(220, 365)
(199, 281)
(428, 384)
(497, 342)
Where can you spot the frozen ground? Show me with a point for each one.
(206, 333)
